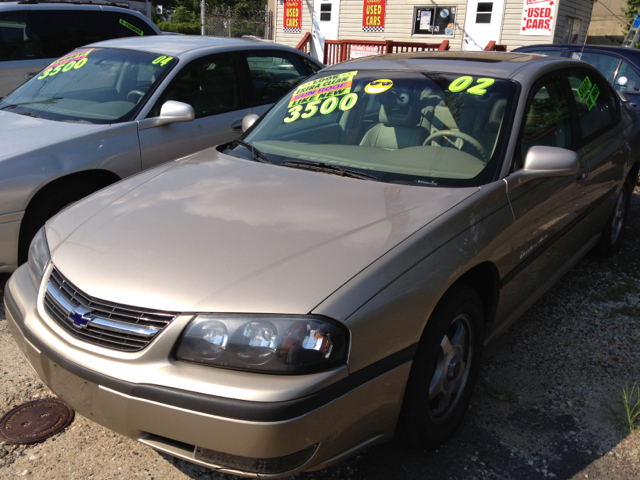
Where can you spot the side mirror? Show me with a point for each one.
(545, 162)
(249, 120)
(171, 112)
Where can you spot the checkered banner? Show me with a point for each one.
(292, 16)
(373, 12)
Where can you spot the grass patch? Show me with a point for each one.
(503, 393)
(632, 311)
(616, 293)
(629, 416)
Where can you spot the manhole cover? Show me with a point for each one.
(35, 421)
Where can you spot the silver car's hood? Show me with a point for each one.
(20, 134)
(221, 234)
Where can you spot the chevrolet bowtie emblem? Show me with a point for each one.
(80, 317)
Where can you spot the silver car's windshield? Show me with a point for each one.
(94, 85)
(421, 128)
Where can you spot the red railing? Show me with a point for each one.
(336, 51)
(303, 46)
(492, 47)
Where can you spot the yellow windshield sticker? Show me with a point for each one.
(131, 27)
(461, 84)
(331, 86)
(378, 86)
(162, 60)
(72, 61)
(325, 107)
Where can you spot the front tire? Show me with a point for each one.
(444, 371)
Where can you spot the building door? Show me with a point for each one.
(326, 14)
(483, 23)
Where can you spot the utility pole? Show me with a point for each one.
(202, 4)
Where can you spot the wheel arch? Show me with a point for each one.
(485, 280)
(633, 173)
(101, 178)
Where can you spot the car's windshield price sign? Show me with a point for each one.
(588, 92)
(323, 95)
(72, 61)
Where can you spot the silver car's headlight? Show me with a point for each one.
(38, 257)
(265, 343)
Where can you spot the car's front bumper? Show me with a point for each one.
(341, 418)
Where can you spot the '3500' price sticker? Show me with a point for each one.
(63, 68)
(325, 107)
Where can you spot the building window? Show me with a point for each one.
(325, 12)
(571, 30)
(483, 14)
(430, 20)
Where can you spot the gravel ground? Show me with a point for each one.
(547, 403)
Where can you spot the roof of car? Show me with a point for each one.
(627, 52)
(98, 5)
(177, 45)
(498, 64)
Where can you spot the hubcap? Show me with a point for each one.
(451, 369)
(618, 217)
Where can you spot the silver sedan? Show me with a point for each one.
(111, 109)
(331, 277)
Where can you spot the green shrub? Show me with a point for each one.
(185, 28)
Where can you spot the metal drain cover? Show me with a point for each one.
(35, 421)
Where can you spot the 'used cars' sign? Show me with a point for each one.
(537, 17)
(373, 16)
(292, 16)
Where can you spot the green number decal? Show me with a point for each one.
(329, 105)
(295, 114)
(45, 74)
(459, 84)
(481, 87)
(68, 66)
(310, 111)
(55, 71)
(80, 64)
(348, 102)
(162, 60)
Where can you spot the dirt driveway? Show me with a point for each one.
(545, 406)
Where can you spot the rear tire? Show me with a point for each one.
(46, 207)
(613, 232)
(444, 371)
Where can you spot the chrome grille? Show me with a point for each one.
(110, 325)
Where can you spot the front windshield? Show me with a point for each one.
(404, 127)
(91, 85)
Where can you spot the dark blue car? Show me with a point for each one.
(620, 66)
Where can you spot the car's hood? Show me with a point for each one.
(20, 134)
(221, 234)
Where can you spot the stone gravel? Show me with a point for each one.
(547, 404)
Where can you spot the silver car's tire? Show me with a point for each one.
(444, 370)
(616, 225)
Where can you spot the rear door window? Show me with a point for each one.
(273, 74)
(607, 64)
(627, 79)
(16, 37)
(594, 104)
(61, 31)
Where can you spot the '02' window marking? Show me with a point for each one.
(463, 83)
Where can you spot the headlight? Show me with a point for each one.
(38, 257)
(264, 343)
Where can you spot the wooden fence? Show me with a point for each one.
(336, 51)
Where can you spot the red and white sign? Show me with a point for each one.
(373, 16)
(292, 16)
(537, 17)
(359, 51)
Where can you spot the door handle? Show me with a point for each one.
(30, 75)
(237, 126)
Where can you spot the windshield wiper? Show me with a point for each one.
(29, 114)
(8, 106)
(328, 168)
(258, 156)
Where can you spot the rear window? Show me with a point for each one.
(61, 31)
(16, 38)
